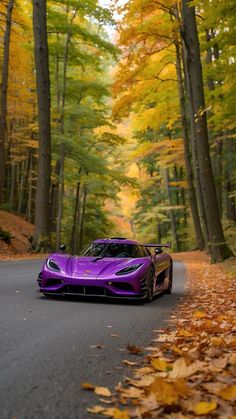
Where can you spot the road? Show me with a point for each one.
(49, 347)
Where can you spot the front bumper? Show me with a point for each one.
(114, 288)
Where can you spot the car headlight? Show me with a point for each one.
(52, 265)
(129, 269)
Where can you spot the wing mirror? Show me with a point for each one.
(62, 247)
(158, 251)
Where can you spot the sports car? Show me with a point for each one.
(115, 267)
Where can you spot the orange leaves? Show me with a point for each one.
(102, 391)
(191, 370)
(168, 393)
(228, 393)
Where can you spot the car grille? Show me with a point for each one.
(84, 290)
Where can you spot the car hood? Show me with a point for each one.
(75, 266)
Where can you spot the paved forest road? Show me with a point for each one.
(48, 347)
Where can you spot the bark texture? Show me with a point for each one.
(41, 233)
(217, 246)
(3, 112)
(187, 155)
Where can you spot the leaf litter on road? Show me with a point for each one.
(190, 371)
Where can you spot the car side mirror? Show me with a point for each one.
(158, 251)
(62, 247)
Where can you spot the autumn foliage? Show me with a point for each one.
(190, 369)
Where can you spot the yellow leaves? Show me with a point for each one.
(229, 393)
(113, 412)
(168, 393)
(87, 386)
(203, 408)
(181, 370)
(184, 333)
(120, 414)
(102, 391)
(160, 364)
(199, 314)
(191, 369)
(95, 409)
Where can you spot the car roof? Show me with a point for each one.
(120, 240)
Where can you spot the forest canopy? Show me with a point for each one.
(120, 120)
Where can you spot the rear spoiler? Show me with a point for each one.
(158, 245)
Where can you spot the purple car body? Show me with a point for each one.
(109, 267)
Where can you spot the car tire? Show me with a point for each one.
(170, 280)
(150, 285)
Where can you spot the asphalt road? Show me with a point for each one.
(49, 347)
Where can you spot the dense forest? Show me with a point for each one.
(120, 120)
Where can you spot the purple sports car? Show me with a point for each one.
(115, 267)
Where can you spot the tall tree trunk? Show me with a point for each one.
(217, 161)
(230, 182)
(218, 248)
(22, 184)
(187, 154)
(76, 221)
(60, 195)
(13, 185)
(172, 214)
(4, 85)
(30, 186)
(62, 144)
(42, 210)
(81, 234)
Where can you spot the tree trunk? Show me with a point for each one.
(30, 187)
(76, 221)
(13, 185)
(60, 195)
(4, 85)
(22, 184)
(172, 215)
(42, 210)
(187, 155)
(230, 182)
(82, 218)
(62, 145)
(218, 248)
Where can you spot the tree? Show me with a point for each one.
(217, 246)
(41, 233)
(3, 94)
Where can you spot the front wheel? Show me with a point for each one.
(170, 280)
(150, 285)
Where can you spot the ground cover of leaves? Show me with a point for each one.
(21, 231)
(190, 371)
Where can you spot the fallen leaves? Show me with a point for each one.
(191, 368)
(102, 391)
(136, 350)
(168, 393)
(203, 408)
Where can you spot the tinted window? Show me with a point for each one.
(95, 250)
(142, 251)
(114, 250)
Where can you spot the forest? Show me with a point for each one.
(119, 119)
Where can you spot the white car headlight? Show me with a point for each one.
(52, 265)
(129, 269)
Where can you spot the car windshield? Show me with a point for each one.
(113, 250)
